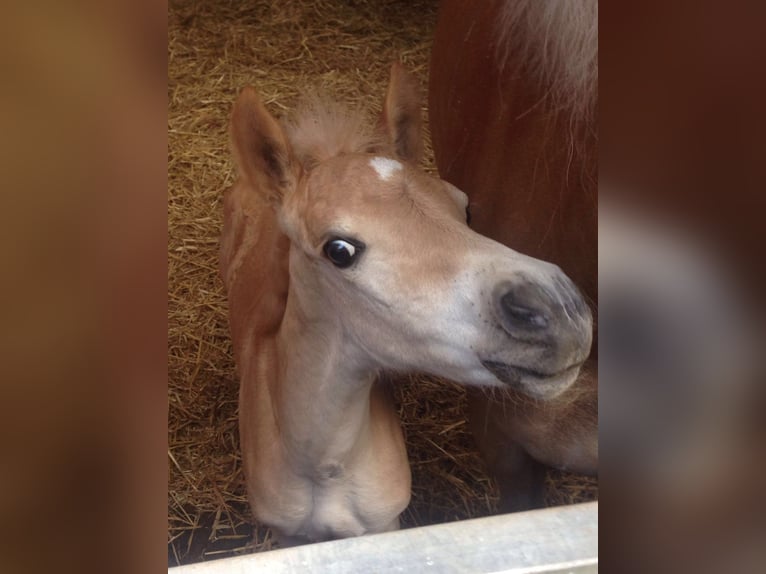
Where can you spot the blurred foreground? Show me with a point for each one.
(680, 402)
(681, 197)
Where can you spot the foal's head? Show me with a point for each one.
(381, 254)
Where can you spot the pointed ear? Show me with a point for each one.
(261, 148)
(401, 114)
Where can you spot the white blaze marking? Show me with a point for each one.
(385, 167)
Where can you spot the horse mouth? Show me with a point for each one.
(533, 382)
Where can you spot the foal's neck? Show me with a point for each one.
(323, 395)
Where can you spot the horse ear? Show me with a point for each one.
(402, 116)
(261, 149)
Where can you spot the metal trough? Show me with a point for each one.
(554, 540)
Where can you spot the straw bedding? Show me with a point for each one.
(284, 48)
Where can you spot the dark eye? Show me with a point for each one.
(468, 215)
(342, 252)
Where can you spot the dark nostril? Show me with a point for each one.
(522, 315)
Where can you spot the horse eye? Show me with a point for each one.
(341, 252)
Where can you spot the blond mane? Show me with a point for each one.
(558, 42)
(321, 128)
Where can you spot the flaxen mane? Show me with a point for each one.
(321, 128)
(558, 41)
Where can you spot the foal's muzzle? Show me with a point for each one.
(549, 329)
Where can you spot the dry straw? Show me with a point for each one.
(284, 48)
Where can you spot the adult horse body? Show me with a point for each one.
(513, 108)
(341, 258)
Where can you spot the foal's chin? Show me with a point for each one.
(531, 382)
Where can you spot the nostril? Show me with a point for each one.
(522, 315)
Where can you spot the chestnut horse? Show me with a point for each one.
(341, 259)
(513, 112)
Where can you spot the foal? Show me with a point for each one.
(342, 258)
